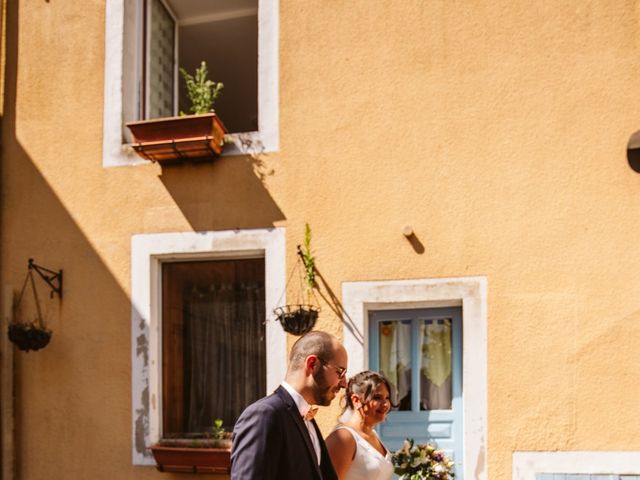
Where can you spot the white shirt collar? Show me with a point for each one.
(303, 408)
(301, 403)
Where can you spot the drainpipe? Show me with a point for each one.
(7, 456)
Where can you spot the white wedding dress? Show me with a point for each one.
(369, 463)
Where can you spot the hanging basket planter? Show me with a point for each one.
(29, 337)
(297, 319)
(34, 335)
(300, 318)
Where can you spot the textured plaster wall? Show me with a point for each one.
(496, 129)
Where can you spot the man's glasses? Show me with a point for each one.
(341, 371)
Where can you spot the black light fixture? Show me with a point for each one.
(633, 152)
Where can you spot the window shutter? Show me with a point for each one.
(160, 61)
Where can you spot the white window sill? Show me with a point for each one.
(236, 144)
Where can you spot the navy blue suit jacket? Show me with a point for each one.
(271, 441)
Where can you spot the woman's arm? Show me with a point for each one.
(342, 450)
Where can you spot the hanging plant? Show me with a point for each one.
(297, 319)
(300, 318)
(29, 335)
(309, 261)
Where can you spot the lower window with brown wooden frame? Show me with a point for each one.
(213, 348)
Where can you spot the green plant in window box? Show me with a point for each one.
(206, 452)
(202, 92)
(196, 136)
(218, 432)
(216, 437)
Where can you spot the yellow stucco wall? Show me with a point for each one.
(498, 130)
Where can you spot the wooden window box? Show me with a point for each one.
(189, 456)
(178, 139)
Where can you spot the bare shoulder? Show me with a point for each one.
(342, 448)
(342, 437)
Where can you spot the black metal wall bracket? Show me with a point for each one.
(54, 279)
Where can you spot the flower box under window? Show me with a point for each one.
(176, 139)
(193, 455)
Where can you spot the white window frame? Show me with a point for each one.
(526, 465)
(358, 298)
(266, 139)
(148, 251)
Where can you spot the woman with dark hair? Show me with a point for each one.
(354, 446)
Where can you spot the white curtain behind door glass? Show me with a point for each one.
(224, 353)
(435, 362)
(395, 360)
(435, 366)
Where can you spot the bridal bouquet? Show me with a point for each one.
(422, 462)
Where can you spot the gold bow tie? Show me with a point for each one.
(310, 413)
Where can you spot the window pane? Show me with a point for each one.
(230, 48)
(161, 54)
(213, 336)
(395, 360)
(435, 364)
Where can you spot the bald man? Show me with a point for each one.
(277, 437)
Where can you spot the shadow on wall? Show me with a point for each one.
(60, 391)
(226, 194)
(77, 390)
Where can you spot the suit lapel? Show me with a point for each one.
(292, 410)
(328, 472)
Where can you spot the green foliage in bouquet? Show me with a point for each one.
(202, 91)
(422, 462)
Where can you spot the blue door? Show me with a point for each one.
(420, 353)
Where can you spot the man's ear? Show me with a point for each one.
(310, 363)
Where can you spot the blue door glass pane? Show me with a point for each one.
(394, 347)
(435, 363)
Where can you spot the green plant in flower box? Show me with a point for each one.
(202, 91)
